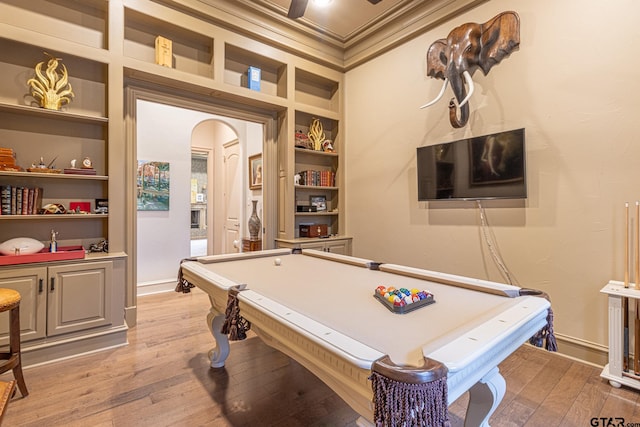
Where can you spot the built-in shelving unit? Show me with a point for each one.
(316, 97)
(317, 91)
(192, 51)
(77, 131)
(273, 80)
(81, 305)
(79, 22)
(108, 47)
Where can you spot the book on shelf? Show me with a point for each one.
(5, 200)
(17, 200)
(323, 178)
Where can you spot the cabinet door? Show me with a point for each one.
(319, 246)
(33, 302)
(341, 247)
(79, 297)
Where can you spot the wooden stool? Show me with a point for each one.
(10, 301)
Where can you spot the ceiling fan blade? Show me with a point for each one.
(374, 1)
(297, 8)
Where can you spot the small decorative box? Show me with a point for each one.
(313, 230)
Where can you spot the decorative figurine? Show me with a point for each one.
(51, 88)
(316, 134)
(53, 244)
(101, 246)
(296, 179)
(73, 164)
(42, 167)
(52, 208)
(327, 146)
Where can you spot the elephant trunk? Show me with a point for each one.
(453, 114)
(459, 89)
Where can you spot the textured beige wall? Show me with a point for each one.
(573, 85)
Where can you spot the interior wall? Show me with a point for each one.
(164, 133)
(573, 89)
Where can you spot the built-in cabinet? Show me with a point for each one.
(60, 299)
(334, 245)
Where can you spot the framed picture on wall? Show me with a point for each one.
(255, 172)
(153, 183)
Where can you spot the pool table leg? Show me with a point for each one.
(218, 355)
(484, 398)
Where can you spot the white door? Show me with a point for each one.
(232, 197)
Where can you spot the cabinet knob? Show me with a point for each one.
(53, 282)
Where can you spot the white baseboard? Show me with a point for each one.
(156, 287)
(582, 350)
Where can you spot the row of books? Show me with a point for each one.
(324, 178)
(17, 200)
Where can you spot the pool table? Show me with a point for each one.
(319, 309)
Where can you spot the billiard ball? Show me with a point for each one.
(277, 261)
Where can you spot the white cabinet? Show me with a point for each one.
(59, 299)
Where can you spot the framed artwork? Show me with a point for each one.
(102, 206)
(80, 207)
(497, 158)
(320, 202)
(255, 172)
(153, 182)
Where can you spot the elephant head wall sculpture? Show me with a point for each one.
(467, 48)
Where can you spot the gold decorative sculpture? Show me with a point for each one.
(316, 134)
(51, 88)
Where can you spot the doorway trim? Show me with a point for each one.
(134, 92)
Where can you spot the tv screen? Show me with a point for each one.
(483, 167)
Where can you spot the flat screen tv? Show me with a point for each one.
(483, 167)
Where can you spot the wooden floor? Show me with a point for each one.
(162, 378)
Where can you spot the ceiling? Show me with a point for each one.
(344, 35)
(341, 19)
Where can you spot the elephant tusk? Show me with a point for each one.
(469, 81)
(444, 86)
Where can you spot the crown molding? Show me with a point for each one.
(403, 25)
(260, 20)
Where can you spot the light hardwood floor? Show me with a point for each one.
(162, 378)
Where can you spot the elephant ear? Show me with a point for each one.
(436, 59)
(500, 36)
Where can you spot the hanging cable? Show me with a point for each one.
(493, 247)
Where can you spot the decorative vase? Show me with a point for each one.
(254, 222)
